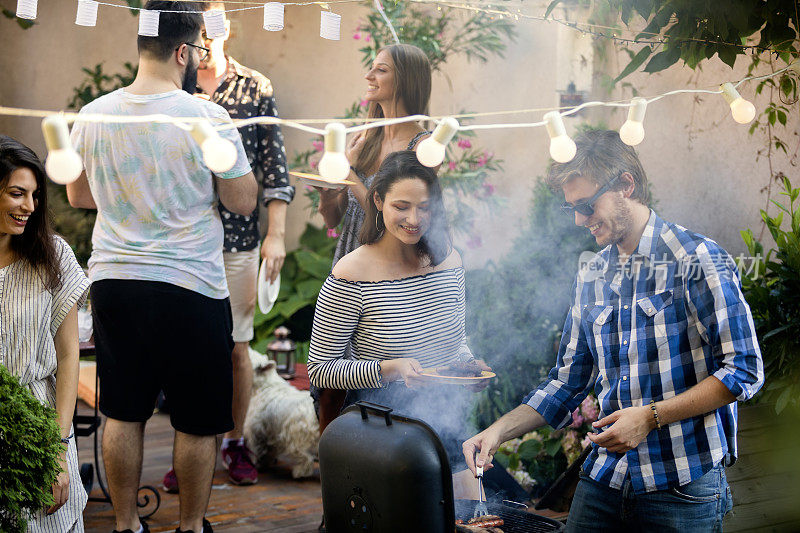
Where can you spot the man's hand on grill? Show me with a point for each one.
(480, 449)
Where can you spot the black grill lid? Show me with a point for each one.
(382, 472)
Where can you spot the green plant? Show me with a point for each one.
(539, 457)
(97, 83)
(304, 271)
(29, 450)
(772, 289)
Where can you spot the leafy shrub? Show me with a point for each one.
(29, 449)
(772, 289)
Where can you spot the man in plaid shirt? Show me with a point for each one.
(660, 331)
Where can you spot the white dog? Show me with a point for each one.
(280, 420)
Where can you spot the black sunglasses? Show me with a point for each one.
(202, 50)
(586, 208)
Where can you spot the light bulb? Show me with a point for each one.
(562, 148)
(632, 132)
(63, 163)
(431, 151)
(741, 110)
(334, 164)
(63, 166)
(219, 154)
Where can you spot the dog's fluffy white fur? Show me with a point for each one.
(280, 420)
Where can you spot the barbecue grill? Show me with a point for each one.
(385, 473)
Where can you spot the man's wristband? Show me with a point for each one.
(65, 440)
(655, 414)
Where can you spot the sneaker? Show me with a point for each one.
(237, 461)
(145, 528)
(206, 528)
(170, 482)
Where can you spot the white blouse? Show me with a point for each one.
(29, 319)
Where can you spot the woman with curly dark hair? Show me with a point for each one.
(41, 288)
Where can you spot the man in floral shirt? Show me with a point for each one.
(245, 93)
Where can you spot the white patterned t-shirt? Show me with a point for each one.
(157, 217)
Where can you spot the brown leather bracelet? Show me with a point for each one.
(655, 414)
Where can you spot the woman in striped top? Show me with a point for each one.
(399, 302)
(41, 288)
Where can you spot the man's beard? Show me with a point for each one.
(620, 223)
(190, 77)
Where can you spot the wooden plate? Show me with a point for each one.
(430, 374)
(315, 180)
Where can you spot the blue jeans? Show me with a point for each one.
(696, 506)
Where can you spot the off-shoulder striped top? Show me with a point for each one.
(420, 317)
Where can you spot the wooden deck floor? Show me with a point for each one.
(277, 503)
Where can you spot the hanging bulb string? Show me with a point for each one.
(364, 124)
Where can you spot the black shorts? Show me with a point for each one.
(153, 336)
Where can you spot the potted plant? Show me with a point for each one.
(29, 450)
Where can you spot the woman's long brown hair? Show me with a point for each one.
(36, 244)
(412, 88)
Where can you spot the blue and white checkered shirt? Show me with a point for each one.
(650, 329)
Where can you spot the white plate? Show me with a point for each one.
(318, 181)
(267, 292)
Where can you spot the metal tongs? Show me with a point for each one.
(480, 508)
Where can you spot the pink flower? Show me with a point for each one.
(577, 419)
(464, 144)
(482, 160)
(589, 409)
(440, 36)
(332, 233)
(356, 36)
(488, 189)
(367, 37)
(364, 103)
(451, 165)
(474, 242)
(313, 164)
(317, 145)
(308, 187)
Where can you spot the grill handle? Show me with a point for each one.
(380, 409)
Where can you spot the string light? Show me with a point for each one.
(148, 23)
(87, 13)
(214, 21)
(273, 16)
(330, 25)
(63, 163)
(26, 9)
(334, 164)
(562, 148)
(219, 154)
(742, 111)
(431, 151)
(632, 131)
(187, 123)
